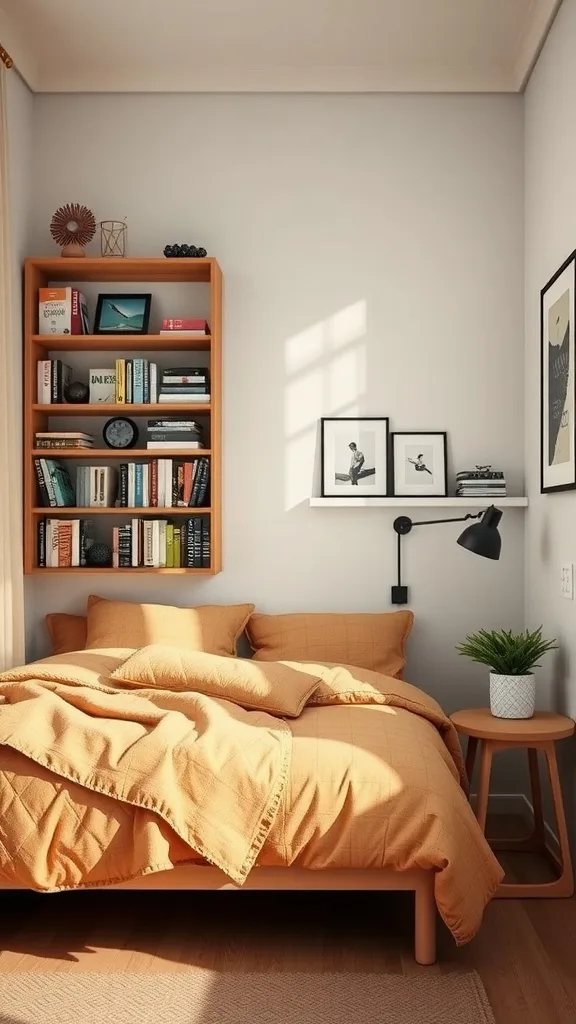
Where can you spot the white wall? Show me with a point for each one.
(372, 252)
(550, 238)
(20, 107)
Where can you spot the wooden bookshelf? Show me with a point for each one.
(42, 272)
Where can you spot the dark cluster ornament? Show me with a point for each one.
(99, 556)
(172, 251)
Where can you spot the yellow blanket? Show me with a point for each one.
(98, 784)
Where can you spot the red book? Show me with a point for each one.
(154, 483)
(188, 477)
(186, 325)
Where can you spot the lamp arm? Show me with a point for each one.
(458, 519)
(404, 525)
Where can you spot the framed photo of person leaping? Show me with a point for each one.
(354, 452)
(419, 464)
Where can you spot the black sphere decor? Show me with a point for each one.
(76, 393)
(179, 250)
(99, 556)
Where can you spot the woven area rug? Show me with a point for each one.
(203, 997)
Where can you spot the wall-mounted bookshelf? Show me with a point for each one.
(165, 350)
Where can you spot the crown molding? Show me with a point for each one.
(13, 39)
(541, 19)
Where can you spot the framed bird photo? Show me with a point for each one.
(419, 464)
(122, 314)
(354, 456)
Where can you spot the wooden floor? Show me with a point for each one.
(525, 952)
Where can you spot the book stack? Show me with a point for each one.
(136, 382)
(62, 543)
(62, 311)
(54, 483)
(185, 384)
(482, 482)
(164, 483)
(192, 328)
(53, 377)
(161, 544)
(96, 486)
(172, 433)
(63, 439)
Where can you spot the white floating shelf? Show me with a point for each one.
(418, 502)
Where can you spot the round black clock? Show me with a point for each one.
(120, 432)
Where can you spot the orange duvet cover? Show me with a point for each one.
(98, 785)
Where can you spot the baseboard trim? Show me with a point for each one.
(518, 803)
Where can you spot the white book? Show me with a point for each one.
(146, 485)
(49, 483)
(162, 543)
(135, 543)
(183, 399)
(153, 383)
(186, 334)
(177, 445)
(148, 543)
(156, 543)
(75, 542)
(131, 485)
(115, 551)
(102, 385)
(52, 550)
(44, 382)
(168, 482)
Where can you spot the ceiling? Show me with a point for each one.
(268, 45)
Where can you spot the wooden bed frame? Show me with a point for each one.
(199, 876)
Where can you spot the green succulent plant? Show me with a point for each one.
(507, 653)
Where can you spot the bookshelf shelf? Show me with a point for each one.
(126, 455)
(121, 342)
(120, 409)
(43, 272)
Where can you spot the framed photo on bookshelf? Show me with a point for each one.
(419, 464)
(122, 314)
(354, 454)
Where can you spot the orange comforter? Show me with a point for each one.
(98, 784)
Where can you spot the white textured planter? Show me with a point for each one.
(512, 696)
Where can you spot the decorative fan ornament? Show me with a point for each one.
(72, 227)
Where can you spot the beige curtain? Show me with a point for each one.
(11, 579)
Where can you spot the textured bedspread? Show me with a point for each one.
(98, 784)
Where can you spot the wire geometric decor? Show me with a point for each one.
(113, 237)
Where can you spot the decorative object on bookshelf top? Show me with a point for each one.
(179, 251)
(76, 392)
(72, 227)
(118, 313)
(113, 238)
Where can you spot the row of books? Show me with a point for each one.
(53, 377)
(185, 384)
(482, 482)
(153, 543)
(159, 544)
(160, 483)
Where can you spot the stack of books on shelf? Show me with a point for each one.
(62, 311)
(159, 544)
(173, 433)
(482, 482)
(164, 483)
(53, 377)
(191, 327)
(54, 439)
(62, 543)
(54, 484)
(96, 486)
(185, 384)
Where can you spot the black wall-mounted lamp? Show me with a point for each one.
(482, 539)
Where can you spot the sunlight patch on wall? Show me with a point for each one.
(326, 372)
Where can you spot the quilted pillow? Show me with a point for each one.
(67, 632)
(372, 641)
(279, 689)
(213, 628)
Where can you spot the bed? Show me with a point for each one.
(162, 767)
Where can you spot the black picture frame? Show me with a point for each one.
(412, 492)
(348, 427)
(107, 300)
(558, 306)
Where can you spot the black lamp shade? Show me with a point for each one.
(483, 538)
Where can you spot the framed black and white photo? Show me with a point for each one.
(557, 396)
(122, 314)
(419, 464)
(354, 457)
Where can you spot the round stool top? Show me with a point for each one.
(544, 725)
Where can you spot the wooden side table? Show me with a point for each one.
(538, 733)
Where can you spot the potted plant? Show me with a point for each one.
(511, 658)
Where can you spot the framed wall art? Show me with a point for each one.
(557, 401)
(354, 452)
(419, 464)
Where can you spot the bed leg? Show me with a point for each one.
(425, 922)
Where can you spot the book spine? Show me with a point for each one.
(188, 482)
(41, 543)
(156, 544)
(205, 542)
(168, 494)
(56, 382)
(123, 485)
(154, 483)
(44, 498)
(176, 544)
(148, 543)
(84, 314)
(65, 485)
(53, 554)
(129, 381)
(131, 485)
(138, 486)
(45, 463)
(204, 492)
(75, 314)
(120, 381)
(197, 542)
(64, 545)
(138, 382)
(75, 542)
(153, 383)
(169, 546)
(115, 549)
(162, 543)
(44, 381)
(135, 544)
(189, 324)
(145, 381)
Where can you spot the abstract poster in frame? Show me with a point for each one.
(557, 392)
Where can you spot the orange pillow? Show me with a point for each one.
(211, 628)
(372, 641)
(66, 632)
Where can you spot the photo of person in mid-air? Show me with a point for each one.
(356, 463)
(420, 466)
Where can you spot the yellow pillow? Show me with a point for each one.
(372, 641)
(66, 632)
(278, 689)
(213, 628)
